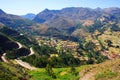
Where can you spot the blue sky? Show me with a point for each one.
(21, 7)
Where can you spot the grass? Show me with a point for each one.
(61, 74)
(12, 72)
(108, 70)
(10, 67)
(105, 75)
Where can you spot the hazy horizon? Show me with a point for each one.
(23, 7)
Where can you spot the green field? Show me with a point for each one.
(61, 74)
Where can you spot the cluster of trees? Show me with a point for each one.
(24, 40)
(44, 49)
(38, 61)
(16, 53)
(50, 72)
(115, 27)
(5, 41)
(9, 32)
(13, 34)
(93, 56)
(63, 60)
(96, 26)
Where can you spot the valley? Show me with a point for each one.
(73, 43)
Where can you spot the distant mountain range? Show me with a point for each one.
(70, 20)
(76, 15)
(67, 21)
(29, 16)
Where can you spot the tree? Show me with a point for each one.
(73, 70)
(109, 42)
(90, 46)
(49, 71)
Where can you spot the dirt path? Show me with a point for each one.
(31, 51)
(3, 58)
(25, 64)
(22, 63)
(88, 76)
(19, 44)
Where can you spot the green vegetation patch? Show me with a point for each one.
(105, 75)
(12, 72)
(60, 73)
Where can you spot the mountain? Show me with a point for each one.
(1, 12)
(13, 21)
(96, 32)
(70, 20)
(74, 14)
(29, 16)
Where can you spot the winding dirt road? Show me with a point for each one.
(25, 64)
(20, 62)
(3, 58)
(19, 44)
(31, 51)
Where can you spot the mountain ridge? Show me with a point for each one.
(13, 20)
(74, 17)
(29, 16)
(1, 12)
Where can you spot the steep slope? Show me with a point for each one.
(108, 70)
(1, 12)
(13, 20)
(16, 36)
(5, 41)
(12, 72)
(11, 38)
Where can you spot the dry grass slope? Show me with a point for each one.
(108, 70)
